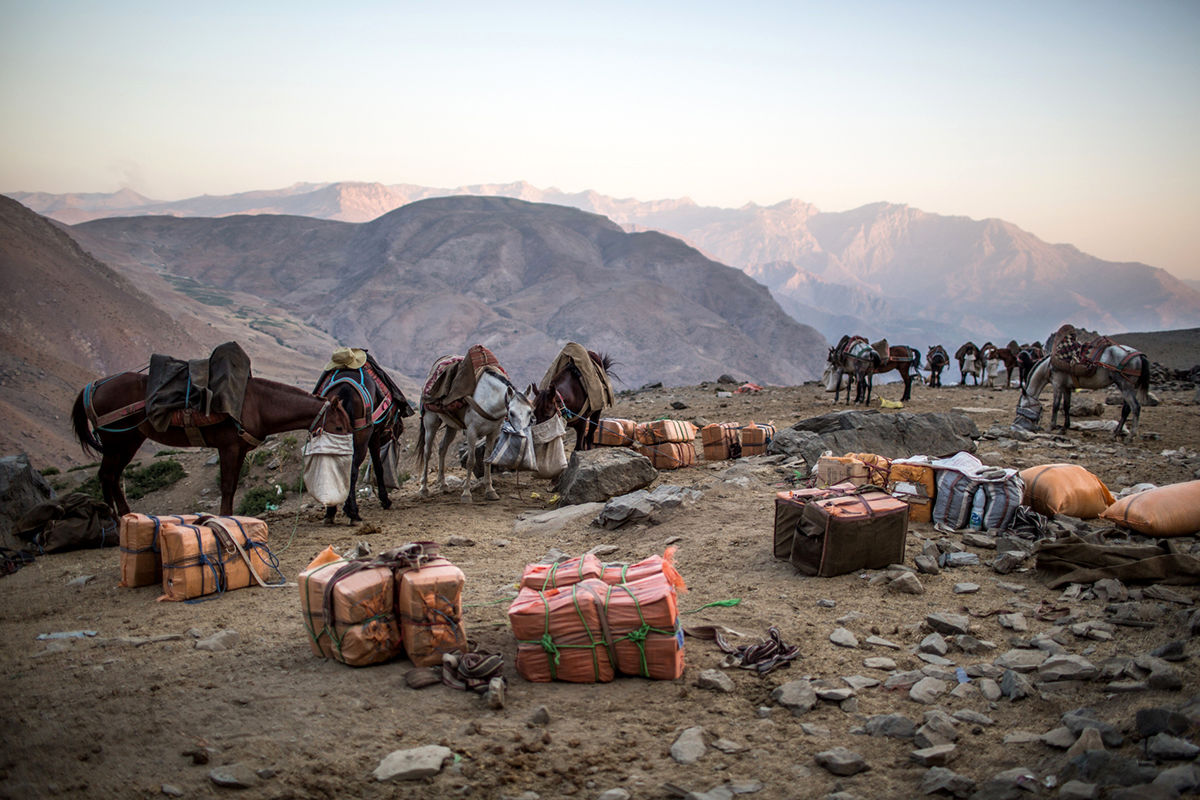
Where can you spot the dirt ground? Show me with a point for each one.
(118, 716)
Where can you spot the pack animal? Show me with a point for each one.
(969, 363)
(855, 356)
(997, 358)
(494, 400)
(109, 418)
(1027, 356)
(377, 408)
(905, 360)
(567, 395)
(1113, 364)
(938, 360)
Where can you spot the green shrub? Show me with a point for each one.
(84, 466)
(162, 453)
(159, 475)
(48, 471)
(255, 501)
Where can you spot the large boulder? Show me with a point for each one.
(21, 488)
(593, 476)
(893, 435)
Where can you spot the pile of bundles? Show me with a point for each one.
(839, 529)
(193, 556)
(368, 610)
(1162, 512)
(670, 444)
(584, 621)
(911, 480)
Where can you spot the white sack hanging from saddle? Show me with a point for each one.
(548, 448)
(830, 379)
(514, 449)
(327, 459)
(389, 457)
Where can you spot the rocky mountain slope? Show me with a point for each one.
(882, 270)
(436, 276)
(69, 318)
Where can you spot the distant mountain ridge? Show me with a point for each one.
(881, 270)
(438, 275)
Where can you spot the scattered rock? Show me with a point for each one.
(1078, 790)
(940, 779)
(233, 776)
(1104, 767)
(841, 761)
(1067, 668)
(949, 624)
(171, 790)
(907, 583)
(1014, 622)
(799, 697)
(716, 680)
(876, 641)
(1089, 739)
(1020, 660)
(1014, 685)
(1165, 747)
(556, 519)
(879, 662)
(411, 764)
(894, 726)
(843, 638)
(927, 565)
(689, 747)
(934, 643)
(966, 588)
(936, 756)
(1150, 721)
(598, 474)
(222, 640)
(1082, 718)
(928, 690)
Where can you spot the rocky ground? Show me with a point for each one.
(156, 702)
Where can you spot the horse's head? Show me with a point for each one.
(333, 418)
(832, 359)
(518, 408)
(545, 402)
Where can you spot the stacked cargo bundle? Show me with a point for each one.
(586, 629)
(212, 555)
(615, 432)
(141, 553)
(720, 441)
(668, 443)
(755, 439)
(370, 610)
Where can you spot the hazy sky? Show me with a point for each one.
(1078, 121)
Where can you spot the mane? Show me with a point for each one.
(605, 362)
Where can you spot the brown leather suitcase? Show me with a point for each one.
(861, 530)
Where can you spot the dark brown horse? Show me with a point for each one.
(1005, 355)
(938, 360)
(567, 395)
(1027, 357)
(109, 418)
(905, 360)
(377, 409)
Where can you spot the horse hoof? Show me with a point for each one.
(386, 504)
(465, 499)
(492, 495)
(328, 520)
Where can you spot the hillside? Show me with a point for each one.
(882, 269)
(439, 275)
(68, 318)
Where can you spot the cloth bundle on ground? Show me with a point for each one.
(1065, 489)
(1075, 560)
(960, 478)
(453, 379)
(595, 380)
(141, 552)
(1172, 510)
(368, 610)
(72, 522)
(209, 386)
(212, 555)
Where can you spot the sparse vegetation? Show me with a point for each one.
(139, 481)
(255, 501)
(162, 453)
(207, 295)
(84, 466)
(48, 471)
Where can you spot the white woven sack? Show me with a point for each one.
(327, 461)
(548, 447)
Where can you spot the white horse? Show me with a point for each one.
(1123, 366)
(495, 399)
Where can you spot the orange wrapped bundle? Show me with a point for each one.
(613, 432)
(838, 469)
(670, 455)
(555, 576)
(665, 430)
(141, 556)
(1065, 489)
(915, 484)
(720, 441)
(214, 554)
(755, 439)
(1172, 510)
(429, 602)
(643, 623)
(560, 634)
(646, 568)
(349, 611)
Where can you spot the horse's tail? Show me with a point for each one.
(1143, 381)
(607, 363)
(83, 428)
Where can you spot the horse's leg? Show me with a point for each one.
(351, 505)
(447, 438)
(231, 458)
(1066, 410)
(1131, 409)
(592, 425)
(908, 382)
(489, 493)
(428, 432)
(377, 467)
(117, 455)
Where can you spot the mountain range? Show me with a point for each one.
(880, 270)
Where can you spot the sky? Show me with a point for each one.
(1077, 121)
